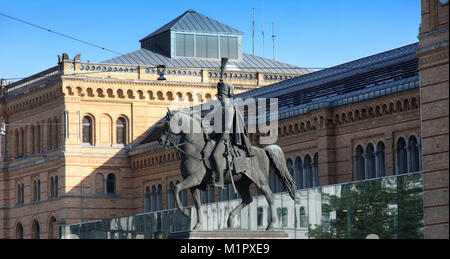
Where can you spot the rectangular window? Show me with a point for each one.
(229, 47)
(184, 45)
(212, 50)
(188, 45)
(233, 48)
(201, 46)
(179, 40)
(224, 47)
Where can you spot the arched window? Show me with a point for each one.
(414, 157)
(52, 190)
(274, 180)
(159, 198)
(153, 199)
(87, 130)
(169, 96)
(22, 194)
(111, 184)
(55, 184)
(381, 160)
(307, 168)
(315, 171)
(171, 196)
(159, 95)
(55, 134)
(147, 200)
(401, 157)
(299, 173)
(52, 229)
(22, 142)
(39, 139)
(15, 141)
(36, 231)
(121, 126)
(303, 218)
(183, 196)
(272, 184)
(19, 194)
(49, 134)
(370, 161)
(36, 190)
(19, 231)
(359, 164)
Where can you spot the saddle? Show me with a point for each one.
(240, 162)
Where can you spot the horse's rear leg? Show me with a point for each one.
(187, 183)
(198, 207)
(243, 187)
(270, 200)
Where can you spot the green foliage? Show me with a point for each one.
(389, 208)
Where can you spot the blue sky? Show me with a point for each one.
(312, 34)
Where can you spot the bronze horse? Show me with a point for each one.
(197, 174)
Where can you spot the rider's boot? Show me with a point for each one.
(219, 183)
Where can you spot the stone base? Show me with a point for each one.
(229, 234)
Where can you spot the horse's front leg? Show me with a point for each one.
(198, 207)
(196, 171)
(187, 183)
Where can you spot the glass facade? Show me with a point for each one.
(389, 207)
(206, 46)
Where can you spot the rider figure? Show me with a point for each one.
(233, 132)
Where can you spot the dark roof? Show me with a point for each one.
(359, 66)
(191, 21)
(248, 62)
(378, 75)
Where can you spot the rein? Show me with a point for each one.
(180, 150)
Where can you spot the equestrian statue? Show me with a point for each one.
(224, 156)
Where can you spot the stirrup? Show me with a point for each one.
(218, 185)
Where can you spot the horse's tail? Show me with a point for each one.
(276, 156)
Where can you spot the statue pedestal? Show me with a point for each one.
(229, 234)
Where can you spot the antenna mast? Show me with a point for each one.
(263, 26)
(253, 32)
(273, 39)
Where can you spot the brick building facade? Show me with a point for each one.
(434, 92)
(64, 156)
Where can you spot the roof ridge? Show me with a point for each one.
(210, 24)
